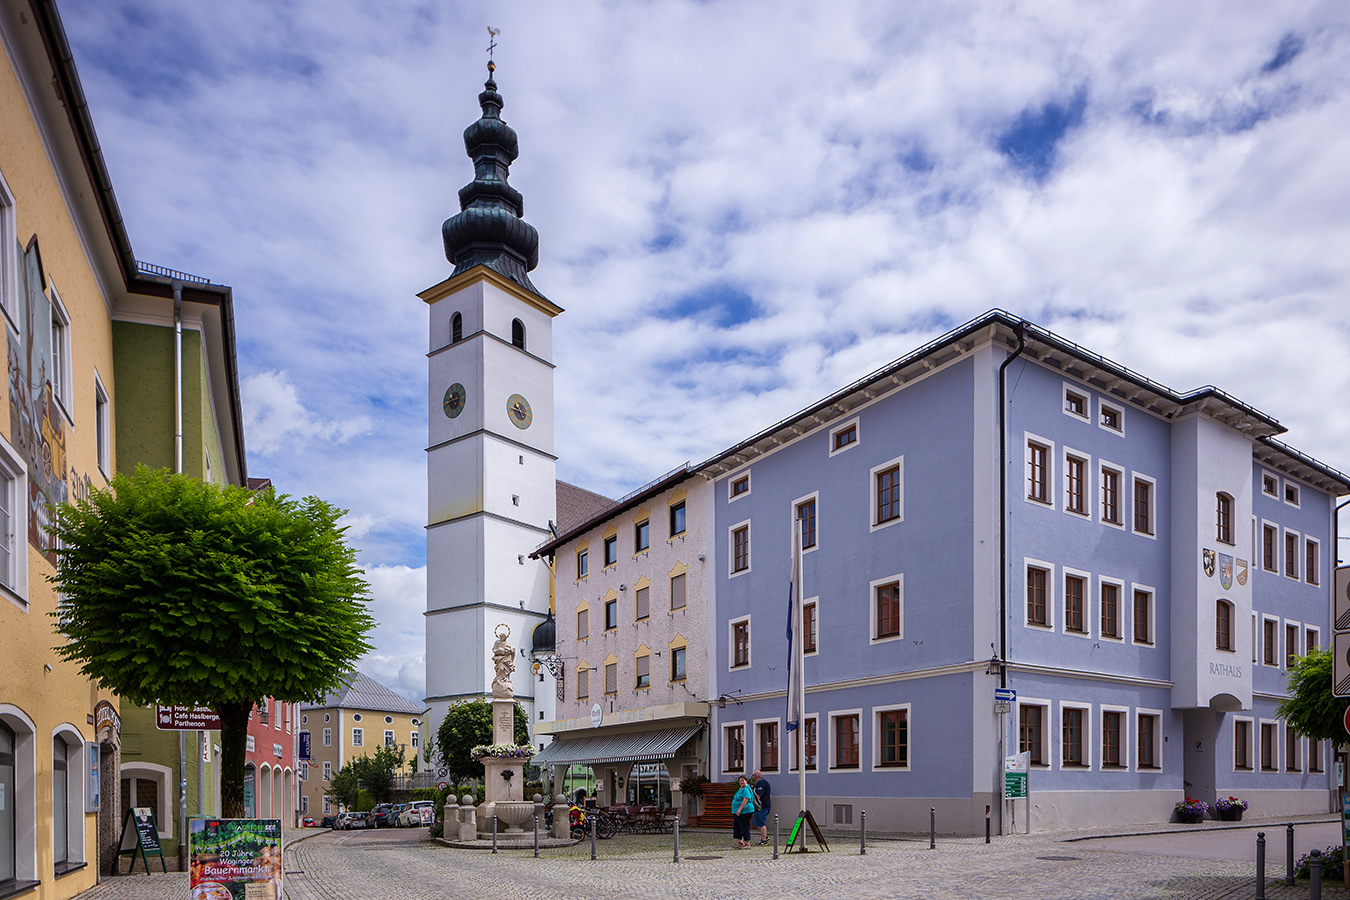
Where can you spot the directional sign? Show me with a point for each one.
(1340, 664)
(1006, 694)
(186, 718)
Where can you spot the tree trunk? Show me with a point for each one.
(233, 742)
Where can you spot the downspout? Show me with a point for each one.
(178, 468)
(1021, 332)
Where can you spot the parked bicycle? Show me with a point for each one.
(579, 820)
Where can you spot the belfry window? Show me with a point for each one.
(518, 333)
(456, 328)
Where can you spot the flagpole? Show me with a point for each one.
(799, 654)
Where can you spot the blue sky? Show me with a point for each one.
(742, 207)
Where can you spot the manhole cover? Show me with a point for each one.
(702, 857)
(1059, 858)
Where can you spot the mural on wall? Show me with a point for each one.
(36, 426)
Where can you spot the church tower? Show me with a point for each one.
(490, 464)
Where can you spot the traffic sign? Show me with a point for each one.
(1340, 664)
(1005, 694)
(1345, 719)
(1340, 601)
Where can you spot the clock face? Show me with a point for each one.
(455, 396)
(518, 410)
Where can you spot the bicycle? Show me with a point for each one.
(580, 823)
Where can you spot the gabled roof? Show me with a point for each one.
(610, 509)
(364, 692)
(576, 505)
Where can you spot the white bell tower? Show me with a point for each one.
(491, 473)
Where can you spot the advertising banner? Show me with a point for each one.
(235, 859)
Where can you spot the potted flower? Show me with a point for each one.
(501, 751)
(1191, 811)
(692, 786)
(1229, 809)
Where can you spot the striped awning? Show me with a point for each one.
(637, 746)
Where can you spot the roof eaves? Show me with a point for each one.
(622, 505)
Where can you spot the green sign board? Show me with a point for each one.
(1014, 785)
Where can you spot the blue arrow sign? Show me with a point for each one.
(1007, 694)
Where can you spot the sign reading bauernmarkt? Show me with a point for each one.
(186, 718)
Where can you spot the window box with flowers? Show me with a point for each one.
(1191, 811)
(1230, 809)
(501, 751)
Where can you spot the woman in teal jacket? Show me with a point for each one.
(742, 808)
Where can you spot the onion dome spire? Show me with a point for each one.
(489, 229)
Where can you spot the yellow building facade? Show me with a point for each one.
(67, 273)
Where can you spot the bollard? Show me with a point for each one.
(494, 831)
(677, 838)
(1289, 854)
(775, 835)
(862, 836)
(536, 837)
(592, 837)
(1260, 865)
(932, 828)
(1315, 873)
(986, 823)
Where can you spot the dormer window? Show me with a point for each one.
(518, 333)
(456, 328)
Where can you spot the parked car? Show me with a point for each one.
(328, 822)
(343, 821)
(307, 822)
(379, 816)
(411, 817)
(358, 820)
(396, 814)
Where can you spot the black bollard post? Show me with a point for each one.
(536, 837)
(775, 835)
(1315, 873)
(494, 832)
(677, 838)
(592, 837)
(1260, 865)
(1289, 854)
(932, 828)
(862, 836)
(986, 823)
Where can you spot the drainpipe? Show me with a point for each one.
(178, 468)
(1021, 330)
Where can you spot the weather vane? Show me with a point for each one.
(492, 41)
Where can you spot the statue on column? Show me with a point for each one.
(504, 659)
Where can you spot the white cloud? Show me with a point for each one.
(398, 597)
(275, 420)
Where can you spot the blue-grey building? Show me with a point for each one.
(1003, 508)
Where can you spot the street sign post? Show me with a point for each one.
(186, 718)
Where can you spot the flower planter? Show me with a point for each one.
(1230, 815)
(1190, 818)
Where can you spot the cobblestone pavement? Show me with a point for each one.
(403, 864)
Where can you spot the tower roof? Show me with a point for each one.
(488, 230)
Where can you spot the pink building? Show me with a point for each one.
(271, 770)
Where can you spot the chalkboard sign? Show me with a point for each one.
(140, 834)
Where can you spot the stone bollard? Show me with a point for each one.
(468, 819)
(932, 828)
(677, 839)
(1260, 865)
(1315, 873)
(775, 835)
(562, 828)
(1289, 854)
(862, 835)
(450, 819)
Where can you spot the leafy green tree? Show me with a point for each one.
(467, 725)
(376, 773)
(344, 786)
(1311, 710)
(178, 591)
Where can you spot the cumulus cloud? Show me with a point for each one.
(275, 420)
(397, 599)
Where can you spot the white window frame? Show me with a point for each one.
(1086, 415)
(1284, 555)
(1266, 473)
(811, 601)
(1288, 483)
(1051, 595)
(724, 750)
(328, 737)
(1089, 494)
(1089, 729)
(1126, 737)
(76, 791)
(1051, 500)
(898, 578)
(833, 716)
(1253, 740)
(792, 520)
(9, 260)
(389, 739)
(14, 582)
(1152, 505)
(1152, 614)
(327, 770)
(876, 737)
(61, 378)
(1303, 563)
(735, 477)
(1089, 608)
(872, 493)
(1259, 560)
(1049, 742)
(1124, 501)
(1277, 747)
(415, 740)
(1300, 743)
(1158, 755)
(1284, 641)
(731, 644)
(1118, 409)
(1311, 629)
(1279, 641)
(358, 737)
(841, 427)
(732, 571)
(148, 771)
(759, 763)
(327, 806)
(1124, 609)
(792, 750)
